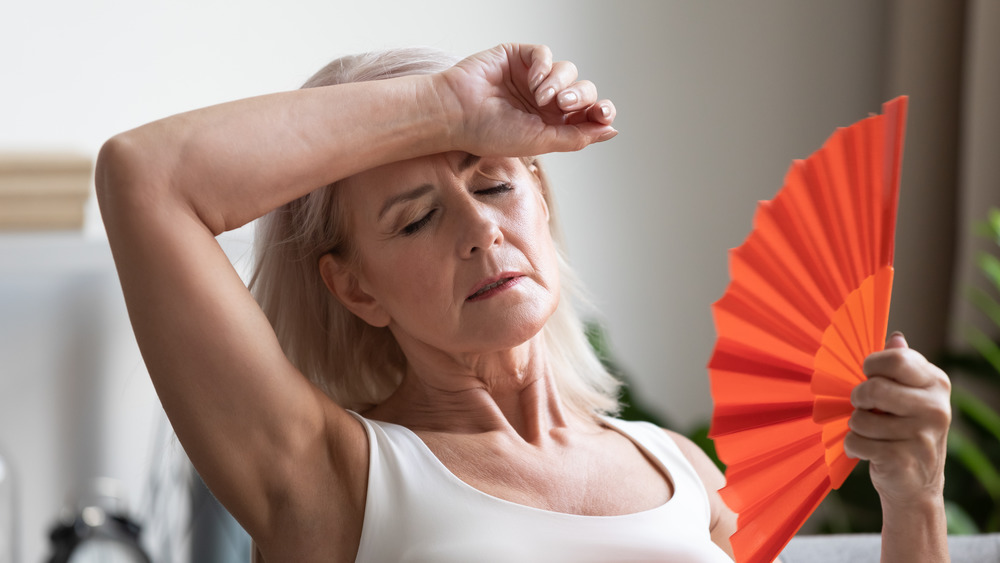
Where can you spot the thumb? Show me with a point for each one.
(896, 340)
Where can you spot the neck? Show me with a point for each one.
(508, 391)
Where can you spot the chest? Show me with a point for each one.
(602, 475)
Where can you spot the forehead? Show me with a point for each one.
(368, 190)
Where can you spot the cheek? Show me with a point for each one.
(537, 240)
(405, 278)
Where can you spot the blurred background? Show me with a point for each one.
(714, 98)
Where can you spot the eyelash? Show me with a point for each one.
(414, 227)
(496, 190)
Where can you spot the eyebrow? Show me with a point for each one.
(418, 192)
(469, 160)
(415, 193)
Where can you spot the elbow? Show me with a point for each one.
(117, 163)
(137, 179)
(127, 179)
(113, 161)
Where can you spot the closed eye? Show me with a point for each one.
(495, 190)
(415, 226)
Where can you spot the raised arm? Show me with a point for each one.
(901, 427)
(258, 433)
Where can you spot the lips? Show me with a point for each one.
(493, 285)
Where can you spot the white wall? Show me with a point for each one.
(714, 98)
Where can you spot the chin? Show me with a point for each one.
(517, 326)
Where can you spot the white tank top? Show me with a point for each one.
(419, 511)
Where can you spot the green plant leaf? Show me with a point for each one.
(990, 265)
(993, 222)
(959, 521)
(977, 410)
(985, 346)
(990, 228)
(985, 303)
(973, 458)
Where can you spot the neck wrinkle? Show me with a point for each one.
(512, 393)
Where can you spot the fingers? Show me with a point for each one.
(539, 65)
(556, 83)
(896, 340)
(883, 426)
(603, 112)
(900, 423)
(888, 396)
(923, 452)
(905, 366)
(902, 382)
(537, 105)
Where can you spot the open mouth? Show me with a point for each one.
(492, 288)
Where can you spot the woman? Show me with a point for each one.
(476, 429)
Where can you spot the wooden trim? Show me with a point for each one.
(43, 190)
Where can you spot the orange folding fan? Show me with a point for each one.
(808, 301)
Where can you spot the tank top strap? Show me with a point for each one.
(663, 450)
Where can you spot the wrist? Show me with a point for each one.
(440, 116)
(444, 103)
(928, 497)
(914, 529)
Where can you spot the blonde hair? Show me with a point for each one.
(359, 365)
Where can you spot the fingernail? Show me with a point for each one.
(899, 338)
(605, 111)
(546, 96)
(609, 135)
(568, 98)
(536, 80)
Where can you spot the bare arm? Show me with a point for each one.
(248, 420)
(257, 431)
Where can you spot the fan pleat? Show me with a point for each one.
(826, 235)
(780, 323)
(731, 355)
(839, 189)
(730, 418)
(883, 288)
(741, 387)
(765, 530)
(808, 302)
(824, 383)
(828, 409)
(797, 206)
(834, 432)
(763, 473)
(833, 216)
(749, 443)
(858, 163)
(895, 117)
(760, 339)
(771, 259)
(833, 442)
(776, 274)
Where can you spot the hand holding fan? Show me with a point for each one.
(807, 302)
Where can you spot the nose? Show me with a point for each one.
(479, 229)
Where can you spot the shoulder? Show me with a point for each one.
(710, 475)
(723, 522)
